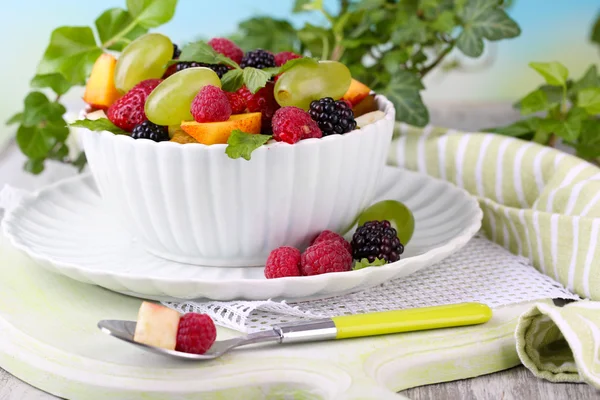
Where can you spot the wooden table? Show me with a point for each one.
(516, 383)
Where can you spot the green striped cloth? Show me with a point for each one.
(539, 203)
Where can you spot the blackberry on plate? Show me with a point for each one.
(333, 117)
(376, 239)
(258, 58)
(148, 130)
(219, 69)
(176, 51)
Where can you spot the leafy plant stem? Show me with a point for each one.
(552, 140)
(438, 59)
(119, 36)
(325, 50)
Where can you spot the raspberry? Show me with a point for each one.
(237, 102)
(292, 124)
(149, 130)
(285, 56)
(376, 239)
(333, 117)
(258, 58)
(128, 111)
(282, 262)
(329, 235)
(196, 333)
(262, 101)
(219, 69)
(227, 48)
(325, 257)
(210, 105)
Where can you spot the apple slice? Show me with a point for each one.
(94, 115)
(369, 118)
(157, 326)
(356, 92)
(219, 132)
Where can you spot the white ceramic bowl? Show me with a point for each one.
(192, 203)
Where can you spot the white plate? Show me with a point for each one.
(66, 228)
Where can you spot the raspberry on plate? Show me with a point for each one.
(211, 105)
(237, 102)
(292, 124)
(263, 102)
(329, 235)
(128, 111)
(325, 257)
(227, 48)
(196, 333)
(285, 56)
(282, 262)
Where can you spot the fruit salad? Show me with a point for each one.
(215, 93)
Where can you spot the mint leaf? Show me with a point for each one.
(517, 129)
(15, 119)
(72, 52)
(536, 101)
(242, 144)
(589, 99)
(470, 43)
(98, 125)
(403, 91)
(364, 263)
(255, 78)
(56, 82)
(152, 13)
(38, 109)
(295, 62)
(554, 73)
(202, 52)
(114, 21)
(233, 80)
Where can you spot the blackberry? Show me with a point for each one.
(148, 130)
(176, 51)
(219, 69)
(376, 239)
(258, 58)
(333, 117)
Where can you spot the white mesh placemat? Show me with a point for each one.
(482, 272)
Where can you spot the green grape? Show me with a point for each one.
(144, 58)
(305, 83)
(170, 102)
(394, 211)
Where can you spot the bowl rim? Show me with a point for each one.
(384, 104)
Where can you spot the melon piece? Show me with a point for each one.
(157, 326)
(356, 92)
(100, 90)
(219, 132)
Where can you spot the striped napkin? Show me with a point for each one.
(539, 203)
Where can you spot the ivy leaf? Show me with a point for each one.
(595, 34)
(588, 80)
(495, 24)
(589, 99)
(444, 22)
(255, 78)
(536, 101)
(37, 141)
(588, 143)
(266, 33)
(152, 13)
(568, 129)
(56, 82)
(202, 52)
(80, 161)
(38, 109)
(403, 91)
(364, 263)
(519, 128)
(470, 43)
(554, 72)
(393, 60)
(34, 166)
(113, 21)
(233, 80)
(412, 31)
(471, 10)
(72, 52)
(242, 144)
(15, 119)
(98, 125)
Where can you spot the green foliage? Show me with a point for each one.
(389, 45)
(67, 62)
(572, 111)
(242, 144)
(98, 125)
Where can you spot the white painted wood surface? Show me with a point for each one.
(516, 383)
